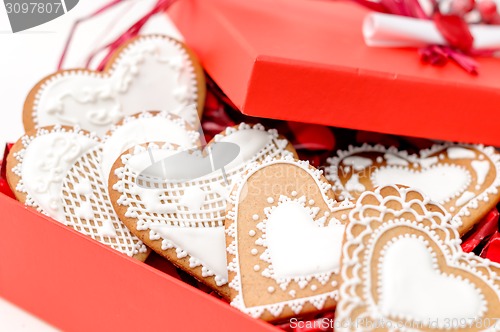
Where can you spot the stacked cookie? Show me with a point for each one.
(78, 121)
(378, 238)
(398, 265)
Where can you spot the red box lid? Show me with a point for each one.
(306, 61)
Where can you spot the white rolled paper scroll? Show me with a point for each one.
(385, 30)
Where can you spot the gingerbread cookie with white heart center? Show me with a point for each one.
(150, 72)
(403, 269)
(56, 170)
(465, 179)
(175, 200)
(284, 238)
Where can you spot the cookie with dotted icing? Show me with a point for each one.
(56, 170)
(149, 72)
(144, 127)
(465, 179)
(183, 220)
(284, 238)
(403, 269)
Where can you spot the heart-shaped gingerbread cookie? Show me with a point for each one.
(284, 235)
(183, 220)
(465, 179)
(56, 170)
(150, 72)
(403, 268)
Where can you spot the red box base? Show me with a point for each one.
(78, 284)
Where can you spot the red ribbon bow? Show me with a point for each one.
(452, 27)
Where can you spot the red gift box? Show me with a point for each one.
(306, 61)
(281, 60)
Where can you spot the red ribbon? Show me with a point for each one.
(455, 30)
(133, 31)
(452, 27)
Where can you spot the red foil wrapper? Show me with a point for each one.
(4, 185)
(492, 248)
(484, 229)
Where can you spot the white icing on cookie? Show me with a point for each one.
(143, 128)
(84, 192)
(357, 163)
(413, 286)
(456, 152)
(107, 229)
(205, 245)
(193, 198)
(464, 198)
(154, 200)
(84, 211)
(298, 246)
(151, 73)
(82, 188)
(481, 168)
(44, 162)
(353, 184)
(250, 141)
(140, 160)
(440, 182)
(395, 160)
(428, 162)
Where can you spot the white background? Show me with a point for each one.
(26, 57)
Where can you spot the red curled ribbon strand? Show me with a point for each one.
(133, 31)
